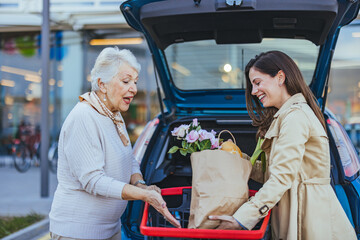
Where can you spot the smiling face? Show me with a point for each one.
(121, 90)
(271, 91)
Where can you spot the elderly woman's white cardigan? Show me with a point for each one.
(94, 165)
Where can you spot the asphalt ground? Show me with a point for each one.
(20, 194)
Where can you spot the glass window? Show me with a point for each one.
(20, 88)
(344, 82)
(344, 95)
(71, 60)
(206, 65)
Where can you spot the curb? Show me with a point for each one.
(30, 232)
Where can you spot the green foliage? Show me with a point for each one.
(206, 144)
(173, 149)
(10, 225)
(183, 152)
(258, 152)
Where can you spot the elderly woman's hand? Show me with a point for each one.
(155, 199)
(151, 187)
(226, 222)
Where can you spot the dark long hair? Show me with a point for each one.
(271, 63)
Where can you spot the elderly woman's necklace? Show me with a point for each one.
(117, 120)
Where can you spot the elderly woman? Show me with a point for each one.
(97, 172)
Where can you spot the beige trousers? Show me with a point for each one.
(54, 236)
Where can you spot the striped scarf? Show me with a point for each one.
(93, 99)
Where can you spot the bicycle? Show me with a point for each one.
(26, 152)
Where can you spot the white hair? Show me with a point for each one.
(107, 65)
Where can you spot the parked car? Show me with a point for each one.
(200, 49)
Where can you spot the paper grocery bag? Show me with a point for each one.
(219, 186)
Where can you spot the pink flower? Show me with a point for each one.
(192, 136)
(215, 143)
(203, 134)
(212, 139)
(180, 131)
(195, 122)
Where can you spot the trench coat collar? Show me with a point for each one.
(294, 99)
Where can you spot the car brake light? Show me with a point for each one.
(143, 140)
(347, 152)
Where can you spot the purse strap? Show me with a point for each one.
(229, 133)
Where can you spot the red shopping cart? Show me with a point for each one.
(154, 225)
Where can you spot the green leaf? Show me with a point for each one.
(206, 144)
(173, 149)
(255, 156)
(257, 151)
(197, 145)
(191, 150)
(198, 128)
(184, 143)
(183, 151)
(203, 143)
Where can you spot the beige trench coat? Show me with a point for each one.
(297, 186)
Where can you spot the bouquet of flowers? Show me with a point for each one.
(193, 138)
(219, 173)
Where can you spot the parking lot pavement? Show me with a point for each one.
(20, 194)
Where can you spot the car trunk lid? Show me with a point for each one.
(169, 22)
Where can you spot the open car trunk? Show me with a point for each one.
(173, 170)
(192, 41)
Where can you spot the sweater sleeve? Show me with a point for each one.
(86, 159)
(286, 160)
(135, 167)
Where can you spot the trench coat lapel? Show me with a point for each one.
(274, 128)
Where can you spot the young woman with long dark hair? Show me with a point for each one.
(297, 177)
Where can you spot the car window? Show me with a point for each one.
(344, 85)
(206, 65)
(344, 94)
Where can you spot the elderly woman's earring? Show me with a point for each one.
(104, 99)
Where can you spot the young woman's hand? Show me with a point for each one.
(226, 222)
(155, 199)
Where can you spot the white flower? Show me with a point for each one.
(180, 131)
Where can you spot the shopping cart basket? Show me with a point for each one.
(154, 224)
